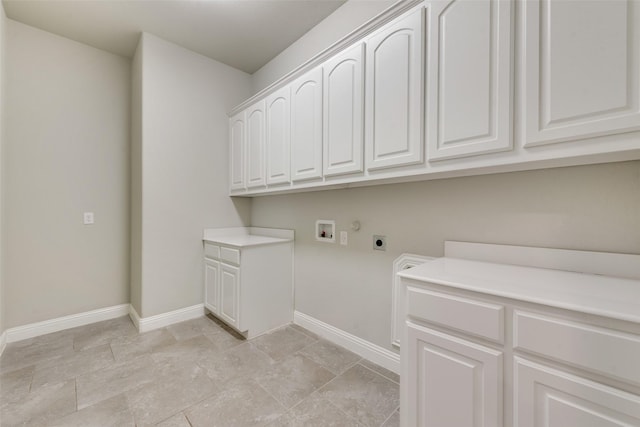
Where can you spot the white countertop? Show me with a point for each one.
(245, 240)
(242, 237)
(588, 293)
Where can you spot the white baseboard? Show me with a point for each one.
(135, 317)
(374, 353)
(67, 322)
(3, 342)
(145, 324)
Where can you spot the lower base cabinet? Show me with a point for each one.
(230, 294)
(549, 397)
(212, 285)
(470, 358)
(456, 383)
(250, 287)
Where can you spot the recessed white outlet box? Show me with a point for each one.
(379, 243)
(344, 238)
(325, 230)
(87, 218)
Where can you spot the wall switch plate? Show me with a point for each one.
(344, 238)
(87, 218)
(379, 243)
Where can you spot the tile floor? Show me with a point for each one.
(194, 373)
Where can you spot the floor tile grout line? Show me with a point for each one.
(357, 362)
(257, 380)
(182, 411)
(33, 374)
(389, 417)
(349, 417)
(255, 347)
(316, 363)
(315, 341)
(273, 397)
(376, 372)
(308, 333)
(186, 417)
(342, 371)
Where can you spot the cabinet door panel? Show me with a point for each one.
(237, 151)
(278, 136)
(256, 145)
(212, 285)
(582, 72)
(547, 397)
(394, 88)
(230, 294)
(470, 74)
(343, 112)
(306, 126)
(452, 382)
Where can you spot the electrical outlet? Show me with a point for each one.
(344, 238)
(87, 218)
(379, 243)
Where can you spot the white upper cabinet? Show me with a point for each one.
(278, 133)
(306, 126)
(236, 151)
(437, 88)
(581, 69)
(394, 94)
(343, 112)
(255, 118)
(468, 96)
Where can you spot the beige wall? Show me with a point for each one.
(344, 20)
(587, 208)
(2, 139)
(135, 278)
(66, 152)
(184, 169)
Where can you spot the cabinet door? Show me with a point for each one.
(306, 126)
(452, 382)
(278, 131)
(343, 112)
(256, 145)
(237, 151)
(548, 397)
(212, 285)
(581, 69)
(230, 294)
(469, 101)
(394, 94)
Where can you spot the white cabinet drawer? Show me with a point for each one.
(474, 317)
(597, 349)
(211, 251)
(230, 255)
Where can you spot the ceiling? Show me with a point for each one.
(244, 34)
